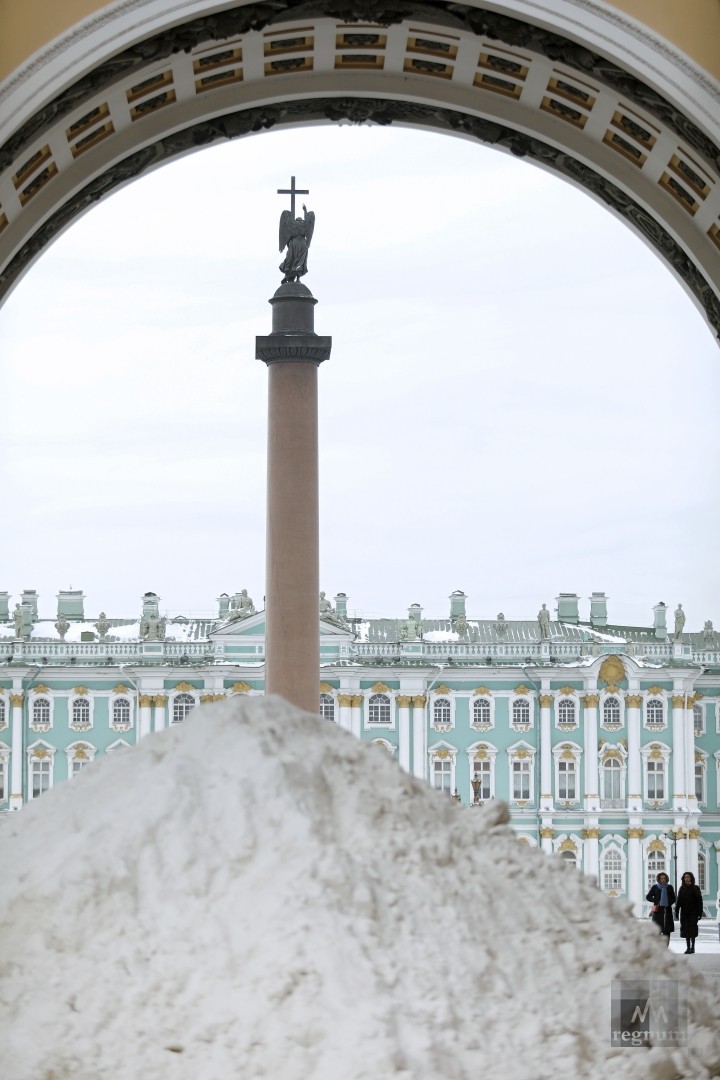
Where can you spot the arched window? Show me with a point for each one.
(569, 858)
(441, 711)
(611, 779)
(612, 871)
(702, 871)
(698, 719)
(41, 711)
(700, 779)
(656, 864)
(81, 712)
(481, 783)
(442, 774)
(567, 780)
(521, 712)
(2, 712)
(121, 711)
(481, 711)
(182, 705)
(566, 712)
(379, 709)
(611, 712)
(655, 711)
(327, 707)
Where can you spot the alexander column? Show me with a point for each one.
(293, 353)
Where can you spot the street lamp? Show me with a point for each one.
(476, 784)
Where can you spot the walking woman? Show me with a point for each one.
(689, 907)
(662, 898)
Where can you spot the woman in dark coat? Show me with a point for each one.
(662, 897)
(689, 907)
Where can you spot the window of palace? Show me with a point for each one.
(121, 713)
(656, 864)
(79, 755)
(442, 774)
(654, 712)
(702, 870)
(3, 712)
(698, 719)
(40, 767)
(521, 779)
(612, 780)
(481, 712)
(655, 780)
(41, 714)
(700, 778)
(181, 706)
(569, 858)
(613, 871)
(80, 712)
(567, 780)
(442, 711)
(3, 777)
(379, 709)
(567, 713)
(327, 707)
(521, 713)
(611, 713)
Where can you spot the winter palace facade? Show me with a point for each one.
(604, 740)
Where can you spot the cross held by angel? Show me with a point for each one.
(295, 235)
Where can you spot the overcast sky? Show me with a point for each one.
(521, 400)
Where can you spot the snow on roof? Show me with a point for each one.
(279, 918)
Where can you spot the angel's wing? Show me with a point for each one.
(309, 226)
(287, 225)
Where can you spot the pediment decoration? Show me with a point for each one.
(655, 690)
(326, 688)
(484, 690)
(612, 670)
(656, 845)
(380, 688)
(120, 689)
(185, 686)
(41, 689)
(567, 845)
(522, 689)
(240, 688)
(442, 689)
(80, 690)
(567, 691)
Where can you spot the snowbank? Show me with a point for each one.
(257, 895)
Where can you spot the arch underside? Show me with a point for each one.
(445, 67)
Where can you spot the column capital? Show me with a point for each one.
(591, 701)
(345, 701)
(591, 834)
(419, 701)
(633, 701)
(635, 834)
(160, 700)
(547, 832)
(678, 701)
(356, 701)
(16, 700)
(404, 701)
(546, 701)
(146, 700)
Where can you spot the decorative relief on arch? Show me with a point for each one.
(380, 688)
(612, 670)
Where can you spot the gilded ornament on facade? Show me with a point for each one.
(81, 691)
(635, 834)
(146, 701)
(419, 701)
(521, 753)
(442, 689)
(678, 701)
(656, 845)
(567, 755)
(547, 833)
(612, 670)
(81, 753)
(120, 689)
(591, 701)
(185, 686)
(546, 701)
(653, 690)
(568, 845)
(40, 752)
(404, 701)
(238, 688)
(380, 688)
(567, 691)
(326, 688)
(633, 701)
(522, 689)
(484, 690)
(591, 834)
(16, 700)
(442, 754)
(41, 689)
(345, 701)
(694, 834)
(612, 754)
(481, 755)
(160, 701)
(356, 701)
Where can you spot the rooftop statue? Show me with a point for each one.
(679, 622)
(295, 235)
(544, 621)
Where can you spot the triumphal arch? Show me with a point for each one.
(619, 98)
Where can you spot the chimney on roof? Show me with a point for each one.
(457, 603)
(151, 605)
(341, 602)
(29, 600)
(567, 607)
(223, 605)
(4, 607)
(598, 609)
(415, 612)
(659, 621)
(71, 604)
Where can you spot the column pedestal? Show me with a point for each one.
(292, 353)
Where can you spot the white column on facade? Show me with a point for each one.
(344, 717)
(419, 730)
(590, 729)
(356, 707)
(144, 713)
(679, 784)
(16, 755)
(160, 702)
(633, 705)
(591, 855)
(690, 754)
(636, 893)
(403, 703)
(546, 760)
(682, 854)
(692, 853)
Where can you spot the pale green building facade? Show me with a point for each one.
(604, 740)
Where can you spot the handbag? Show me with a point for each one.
(656, 908)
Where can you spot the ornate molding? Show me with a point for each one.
(380, 688)
(240, 688)
(442, 689)
(184, 687)
(356, 701)
(546, 701)
(484, 691)
(81, 691)
(694, 834)
(146, 700)
(568, 845)
(419, 701)
(654, 690)
(566, 691)
(633, 701)
(120, 689)
(345, 701)
(326, 688)
(547, 833)
(41, 689)
(404, 701)
(160, 700)
(16, 700)
(635, 834)
(591, 834)
(612, 670)
(591, 701)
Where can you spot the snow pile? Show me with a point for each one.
(257, 895)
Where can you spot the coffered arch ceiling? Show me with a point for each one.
(594, 97)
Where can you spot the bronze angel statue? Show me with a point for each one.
(295, 235)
